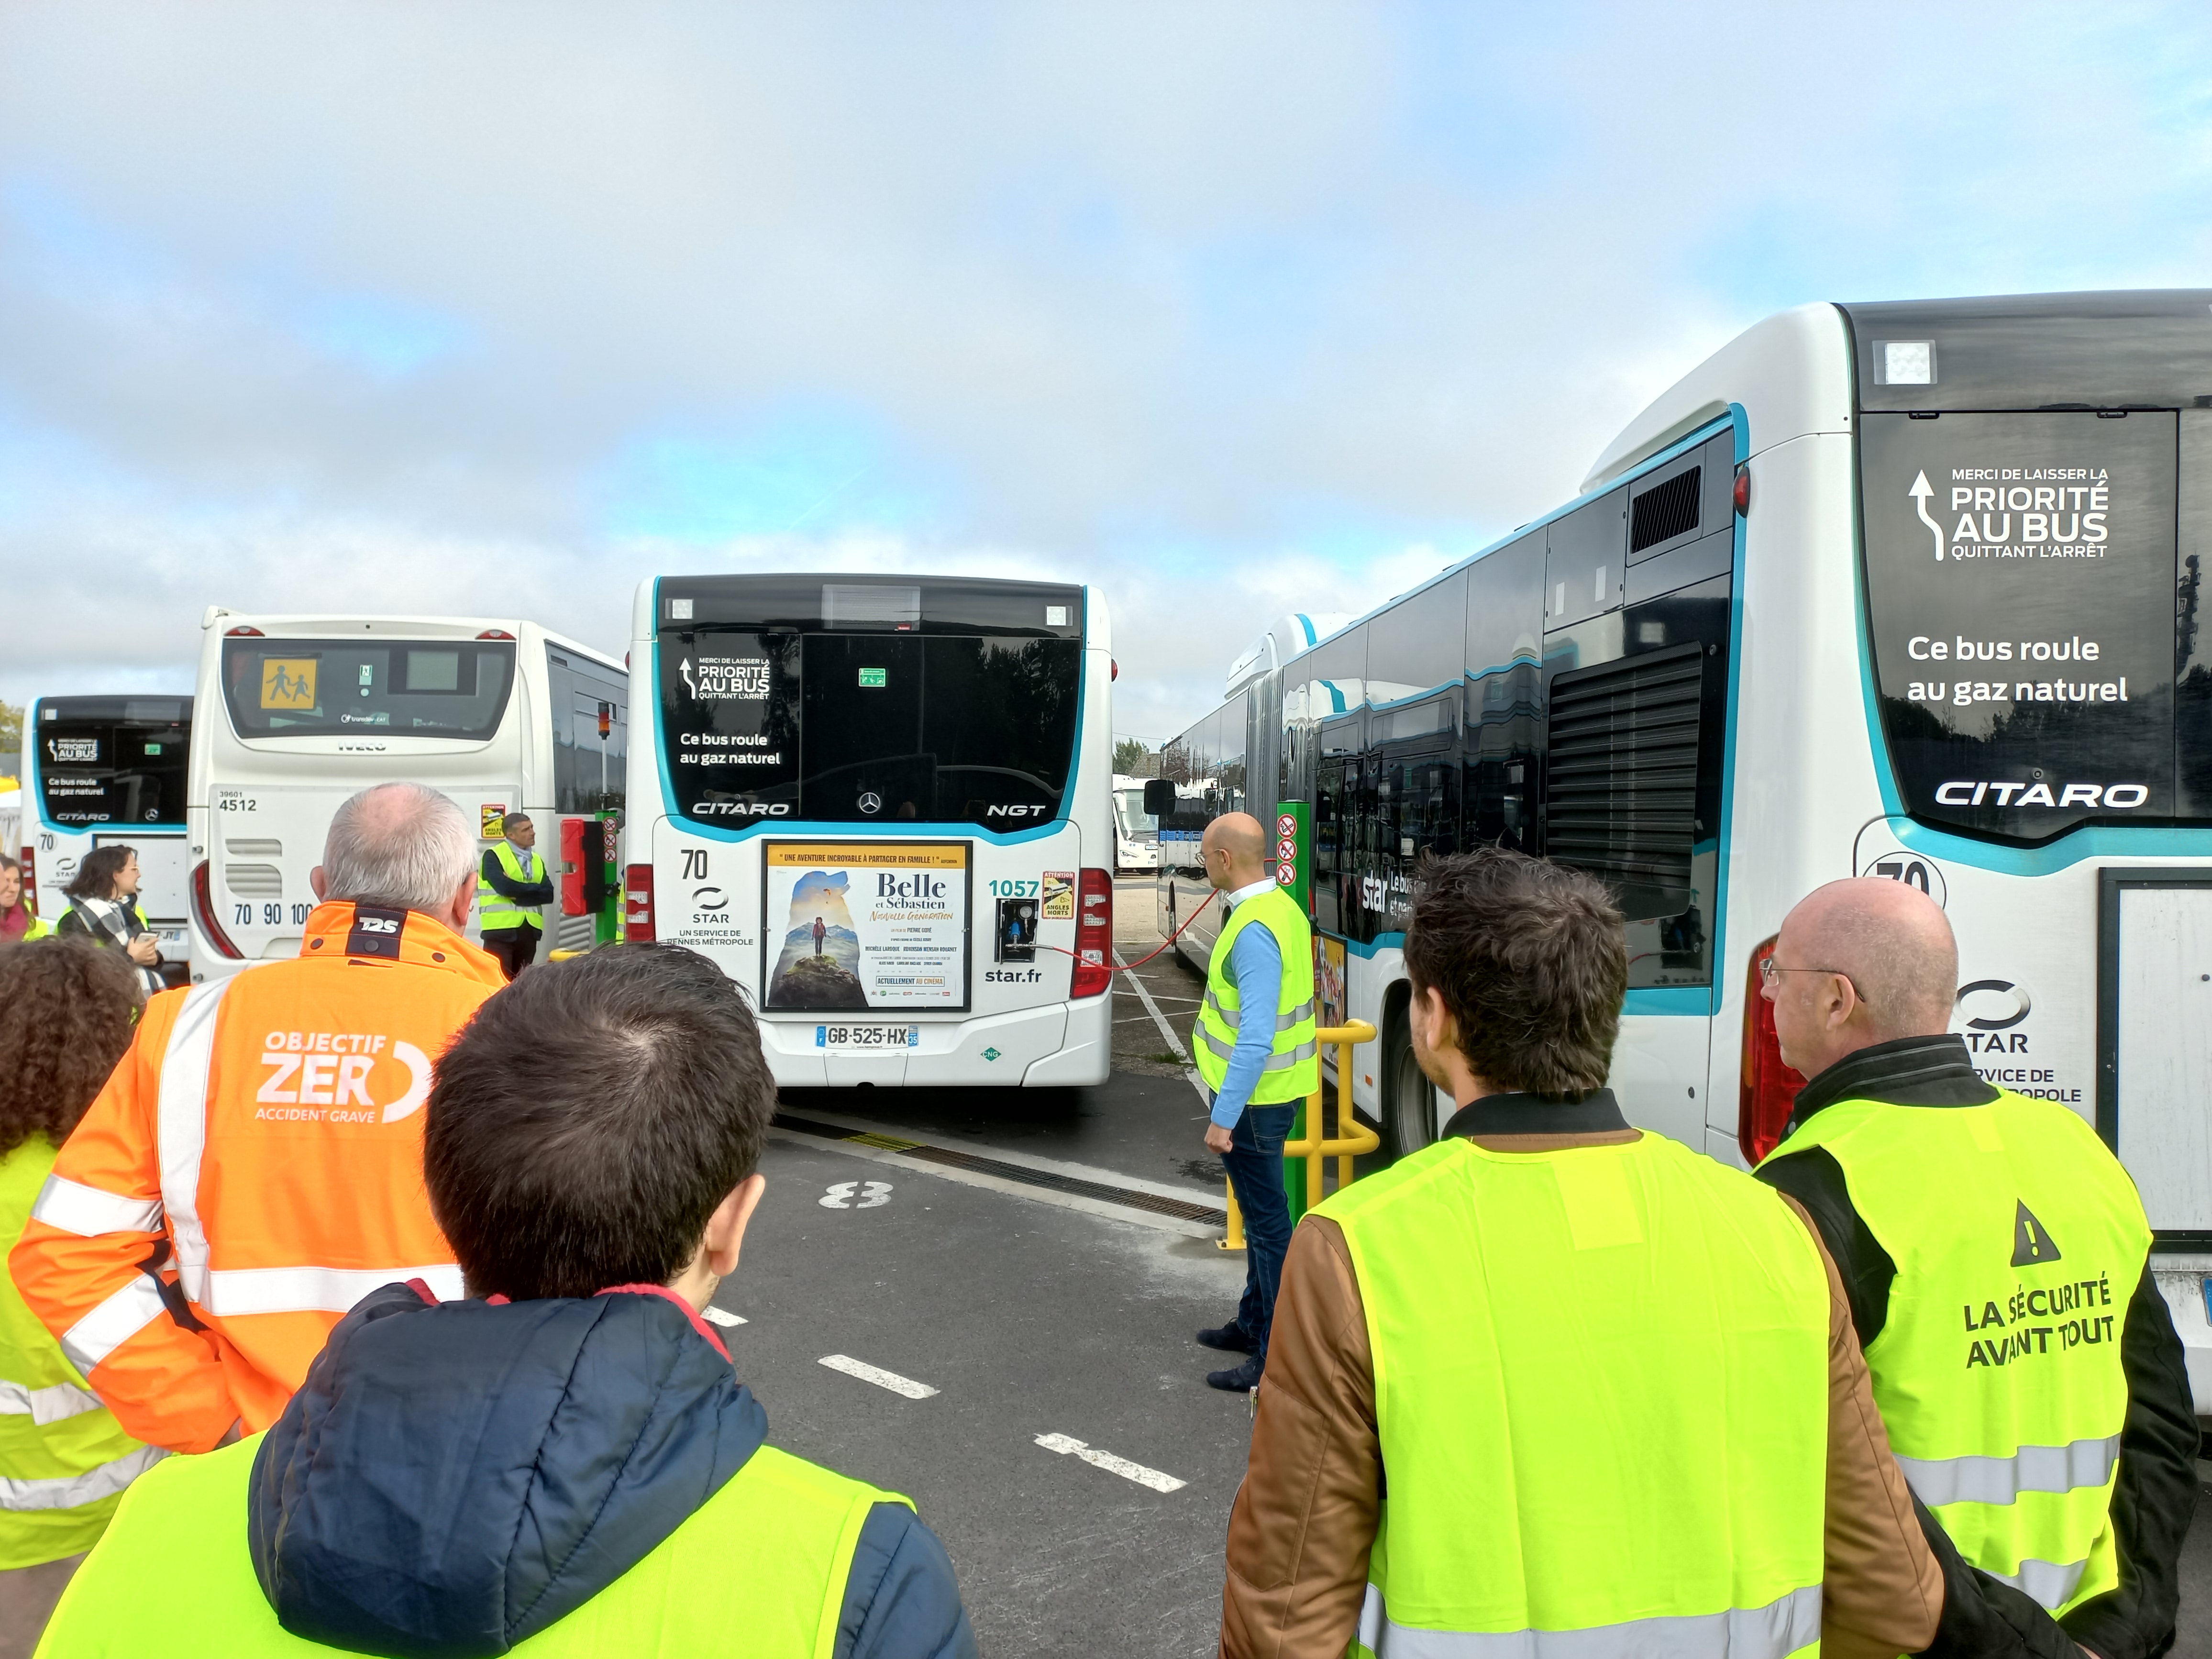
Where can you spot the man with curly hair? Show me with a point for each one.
(66, 1008)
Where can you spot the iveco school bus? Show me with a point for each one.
(1904, 589)
(882, 805)
(101, 769)
(303, 711)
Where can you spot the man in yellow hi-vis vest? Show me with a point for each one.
(1553, 1384)
(563, 1461)
(511, 893)
(1253, 1043)
(2027, 1366)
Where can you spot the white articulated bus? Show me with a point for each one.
(1907, 590)
(882, 804)
(107, 768)
(300, 712)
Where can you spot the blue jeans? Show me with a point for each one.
(1254, 1162)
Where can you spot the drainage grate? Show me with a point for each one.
(1181, 1209)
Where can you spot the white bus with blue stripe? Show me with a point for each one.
(1907, 590)
(884, 806)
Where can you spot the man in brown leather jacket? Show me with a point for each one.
(1304, 1520)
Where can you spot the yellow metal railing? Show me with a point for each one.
(1352, 1137)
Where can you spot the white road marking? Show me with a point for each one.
(877, 1375)
(1121, 1466)
(1166, 1030)
(875, 1194)
(719, 1317)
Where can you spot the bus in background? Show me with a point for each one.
(1910, 591)
(1136, 837)
(101, 769)
(1206, 764)
(302, 711)
(884, 806)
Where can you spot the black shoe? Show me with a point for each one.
(1230, 1338)
(1240, 1379)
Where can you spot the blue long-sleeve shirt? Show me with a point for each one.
(1256, 963)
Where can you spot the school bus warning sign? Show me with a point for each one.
(287, 682)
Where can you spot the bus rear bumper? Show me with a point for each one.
(1063, 1044)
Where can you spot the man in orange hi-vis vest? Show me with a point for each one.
(254, 1166)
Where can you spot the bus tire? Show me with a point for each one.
(1408, 1101)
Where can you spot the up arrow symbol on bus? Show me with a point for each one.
(1920, 490)
(685, 666)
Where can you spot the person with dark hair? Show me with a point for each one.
(18, 922)
(565, 1457)
(1539, 1335)
(104, 908)
(66, 1010)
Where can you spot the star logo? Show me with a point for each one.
(871, 802)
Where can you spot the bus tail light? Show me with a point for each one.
(1094, 934)
(1770, 1086)
(572, 866)
(494, 633)
(243, 634)
(203, 909)
(637, 905)
(1742, 489)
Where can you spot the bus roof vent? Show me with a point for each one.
(1620, 784)
(1663, 512)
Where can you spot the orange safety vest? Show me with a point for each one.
(252, 1169)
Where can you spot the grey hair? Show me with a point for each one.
(402, 845)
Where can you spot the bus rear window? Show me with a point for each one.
(93, 771)
(868, 728)
(2020, 579)
(455, 689)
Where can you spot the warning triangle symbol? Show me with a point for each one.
(2031, 1245)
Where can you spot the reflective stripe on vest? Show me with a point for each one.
(74, 1207)
(2018, 1240)
(74, 1491)
(181, 1128)
(2000, 1479)
(231, 1291)
(174, 1575)
(113, 1322)
(55, 1403)
(1783, 1627)
(1292, 1069)
(494, 908)
(1612, 1300)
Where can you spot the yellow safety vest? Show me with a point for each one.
(1602, 1386)
(1293, 1068)
(757, 1572)
(495, 910)
(2019, 1240)
(63, 1461)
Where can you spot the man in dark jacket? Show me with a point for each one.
(512, 889)
(2011, 1424)
(565, 1457)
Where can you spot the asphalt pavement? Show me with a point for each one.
(985, 1299)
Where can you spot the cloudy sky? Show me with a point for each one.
(1230, 309)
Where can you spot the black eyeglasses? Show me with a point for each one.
(1768, 968)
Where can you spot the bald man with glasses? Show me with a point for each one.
(1996, 1257)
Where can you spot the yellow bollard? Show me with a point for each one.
(1352, 1137)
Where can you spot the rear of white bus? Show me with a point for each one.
(298, 713)
(883, 806)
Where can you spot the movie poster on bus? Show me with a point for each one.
(866, 926)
